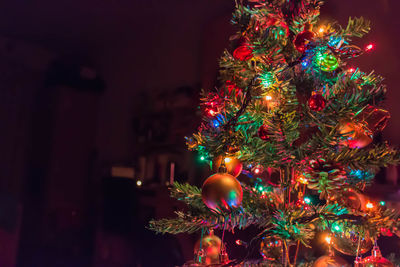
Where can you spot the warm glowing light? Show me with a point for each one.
(301, 179)
(257, 170)
(321, 30)
(369, 47)
(139, 183)
(211, 112)
(369, 205)
(352, 70)
(328, 239)
(268, 97)
(227, 160)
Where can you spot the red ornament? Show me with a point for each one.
(376, 259)
(302, 39)
(263, 132)
(316, 102)
(243, 53)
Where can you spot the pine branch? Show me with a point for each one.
(380, 155)
(356, 27)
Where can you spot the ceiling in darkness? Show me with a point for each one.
(89, 24)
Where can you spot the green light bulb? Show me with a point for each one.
(267, 79)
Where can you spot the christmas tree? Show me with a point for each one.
(299, 122)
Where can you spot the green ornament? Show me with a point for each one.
(327, 62)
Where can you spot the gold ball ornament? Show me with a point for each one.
(355, 135)
(330, 261)
(233, 165)
(221, 192)
(376, 260)
(211, 245)
(271, 248)
(351, 200)
(346, 242)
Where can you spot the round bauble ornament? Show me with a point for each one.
(351, 199)
(347, 241)
(271, 248)
(233, 165)
(211, 246)
(376, 259)
(243, 53)
(327, 62)
(221, 192)
(263, 132)
(330, 261)
(302, 39)
(355, 135)
(316, 102)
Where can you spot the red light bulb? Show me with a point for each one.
(369, 47)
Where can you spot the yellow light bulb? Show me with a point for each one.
(301, 179)
(139, 183)
(268, 97)
(321, 30)
(369, 205)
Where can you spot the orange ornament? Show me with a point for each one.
(211, 245)
(356, 136)
(330, 261)
(233, 165)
